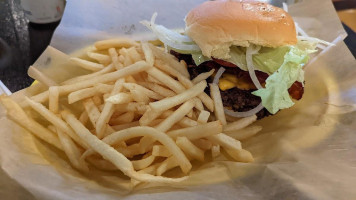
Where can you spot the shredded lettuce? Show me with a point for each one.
(238, 57)
(268, 60)
(275, 95)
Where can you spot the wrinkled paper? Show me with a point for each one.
(305, 152)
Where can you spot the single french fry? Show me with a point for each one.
(199, 104)
(127, 58)
(203, 144)
(120, 98)
(159, 89)
(166, 165)
(133, 54)
(124, 118)
(203, 76)
(53, 99)
(81, 94)
(185, 122)
(215, 151)
(240, 155)
(115, 43)
(225, 141)
(83, 118)
(115, 58)
(149, 116)
(121, 59)
(190, 113)
(240, 124)
(103, 88)
(160, 151)
(92, 66)
(139, 96)
(143, 163)
(190, 149)
(101, 58)
(199, 131)
(132, 106)
(107, 69)
(129, 151)
(92, 110)
(183, 63)
(170, 102)
(218, 105)
(176, 116)
(207, 101)
(149, 57)
(203, 117)
(147, 92)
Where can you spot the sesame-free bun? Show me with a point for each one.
(216, 25)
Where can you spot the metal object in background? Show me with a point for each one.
(5, 54)
(4, 89)
(43, 11)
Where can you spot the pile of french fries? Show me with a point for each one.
(139, 113)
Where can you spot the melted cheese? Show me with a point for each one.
(228, 81)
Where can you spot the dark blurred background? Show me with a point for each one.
(22, 42)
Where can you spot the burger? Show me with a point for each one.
(257, 51)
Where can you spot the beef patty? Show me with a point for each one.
(236, 99)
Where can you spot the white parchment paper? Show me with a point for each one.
(306, 152)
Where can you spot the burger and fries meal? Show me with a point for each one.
(147, 109)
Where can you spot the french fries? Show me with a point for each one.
(199, 131)
(92, 66)
(218, 106)
(114, 43)
(101, 58)
(170, 102)
(137, 112)
(18, 115)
